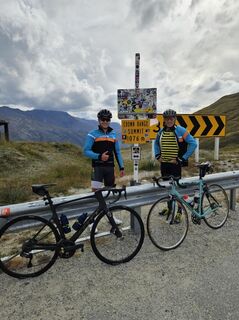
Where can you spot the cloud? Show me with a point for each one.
(61, 55)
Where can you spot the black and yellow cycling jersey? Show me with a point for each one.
(169, 146)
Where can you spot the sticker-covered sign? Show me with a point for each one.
(137, 103)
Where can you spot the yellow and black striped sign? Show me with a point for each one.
(197, 125)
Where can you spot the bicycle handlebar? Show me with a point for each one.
(155, 179)
(114, 191)
(170, 178)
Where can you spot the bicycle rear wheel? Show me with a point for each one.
(21, 239)
(120, 245)
(215, 206)
(167, 228)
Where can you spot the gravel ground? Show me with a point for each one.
(198, 280)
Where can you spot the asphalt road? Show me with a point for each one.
(199, 280)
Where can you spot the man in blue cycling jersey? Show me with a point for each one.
(102, 146)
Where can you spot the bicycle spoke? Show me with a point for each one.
(167, 226)
(21, 253)
(123, 240)
(215, 206)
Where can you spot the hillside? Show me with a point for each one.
(47, 126)
(228, 106)
(25, 163)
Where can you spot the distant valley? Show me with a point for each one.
(47, 126)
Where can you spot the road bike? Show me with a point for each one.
(167, 220)
(30, 244)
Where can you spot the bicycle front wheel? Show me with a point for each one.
(120, 245)
(215, 206)
(167, 223)
(28, 246)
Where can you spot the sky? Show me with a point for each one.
(73, 55)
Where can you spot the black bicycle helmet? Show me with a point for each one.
(104, 113)
(169, 113)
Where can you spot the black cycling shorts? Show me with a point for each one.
(170, 169)
(102, 174)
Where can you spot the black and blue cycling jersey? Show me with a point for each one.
(98, 142)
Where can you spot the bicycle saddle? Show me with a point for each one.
(41, 189)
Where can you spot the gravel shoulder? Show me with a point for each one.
(198, 280)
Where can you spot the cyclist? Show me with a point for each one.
(173, 146)
(102, 146)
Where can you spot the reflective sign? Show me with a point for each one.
(197, 125)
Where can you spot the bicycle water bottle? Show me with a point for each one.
(189, 200)
(65, 223)
(79, 222)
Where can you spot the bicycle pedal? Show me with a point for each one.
(80, 246)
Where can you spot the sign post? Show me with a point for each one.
(135, 108)
(136, 161)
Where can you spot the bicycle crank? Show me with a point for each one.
(196, 220)
(68, 249)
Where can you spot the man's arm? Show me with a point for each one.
(157, 151)
(90, 139)
(118, 156)
(191, 142)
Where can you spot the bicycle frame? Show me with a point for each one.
(102, 206)
(202, 186)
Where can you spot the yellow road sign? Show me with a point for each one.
(135, 131)
(197, 125)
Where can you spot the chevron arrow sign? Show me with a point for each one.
(197, 125)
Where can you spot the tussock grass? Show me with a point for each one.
(24, 164)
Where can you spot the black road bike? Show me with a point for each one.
(30, 244)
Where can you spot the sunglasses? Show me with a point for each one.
(169, 118)
(105, 119)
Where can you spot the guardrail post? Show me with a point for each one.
(233, 199)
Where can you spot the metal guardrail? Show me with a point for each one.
(137, 196)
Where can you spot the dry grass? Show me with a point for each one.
(23, 164)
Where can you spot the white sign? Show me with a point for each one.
(135, 153)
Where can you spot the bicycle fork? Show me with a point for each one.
(114, 229)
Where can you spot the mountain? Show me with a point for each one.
(227, 105)
(59, 126)
(48, 126)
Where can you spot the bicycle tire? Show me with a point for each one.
(113, 249)
(17, 237)
(215, 197)
(165, 232)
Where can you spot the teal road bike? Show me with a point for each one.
(167, 220)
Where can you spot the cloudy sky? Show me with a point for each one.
(73, 55)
